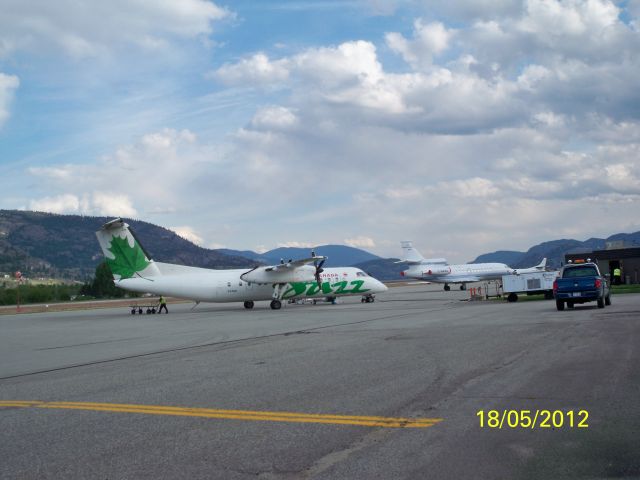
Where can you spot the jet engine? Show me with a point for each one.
(305, 273)
(436, 270)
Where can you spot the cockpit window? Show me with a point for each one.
(361, 274)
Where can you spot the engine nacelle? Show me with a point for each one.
(436, 270)
(305, 273)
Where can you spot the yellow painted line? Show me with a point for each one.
(367, 421)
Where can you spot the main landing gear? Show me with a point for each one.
(463, 286)
(278, 291)
(248, 304)
(276, 304)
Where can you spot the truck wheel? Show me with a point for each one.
(513, 297)
(601, 302)
(607, 300)
(559, 304)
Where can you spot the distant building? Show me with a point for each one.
(614, 244)
(626, 259)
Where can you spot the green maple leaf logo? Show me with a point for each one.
(128, 260)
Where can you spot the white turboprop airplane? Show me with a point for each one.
(133, 269)
(439, 271)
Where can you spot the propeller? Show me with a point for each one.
(319, 269)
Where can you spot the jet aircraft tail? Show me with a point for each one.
(538, 268)
(414, 257)
(410, 254)
(123, 253)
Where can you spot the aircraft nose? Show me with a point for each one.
(381, 287)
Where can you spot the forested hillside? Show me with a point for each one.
(45, 244)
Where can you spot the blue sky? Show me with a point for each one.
(466, 126)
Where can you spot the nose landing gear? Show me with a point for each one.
(368, 298)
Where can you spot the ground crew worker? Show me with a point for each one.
(163, 304)
(617, 276)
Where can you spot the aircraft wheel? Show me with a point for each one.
(153, 310)
(148, 311)
(276, 304)
(513, 297)
(248, 304)
(133, 311)
(447, 288)
(140, 311)
(463, 287)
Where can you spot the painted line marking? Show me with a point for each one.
(366, 421)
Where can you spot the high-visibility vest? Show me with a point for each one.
(616, 272)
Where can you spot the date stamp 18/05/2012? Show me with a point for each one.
(531, 419)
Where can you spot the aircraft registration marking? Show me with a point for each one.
(366, 421)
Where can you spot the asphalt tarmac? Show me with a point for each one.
(386, 390)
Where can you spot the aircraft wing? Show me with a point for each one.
(294, 264)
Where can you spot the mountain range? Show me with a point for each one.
(65, 246)
(555, 250)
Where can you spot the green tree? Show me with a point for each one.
(102, 285)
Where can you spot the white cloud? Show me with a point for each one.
(274, 117)
(111, 204)
(86, 29)
(8, 85)
(189, 233)
(360, 242)
(96, 203)
(155, 172)
(296, 244)
(256, 70)
(429, 40)
(514, 124)
(65, 203)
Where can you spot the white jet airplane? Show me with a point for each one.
(133, 269)
(439, 271)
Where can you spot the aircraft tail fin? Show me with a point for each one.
(410, 254)
(542, 265)
(123, 252)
